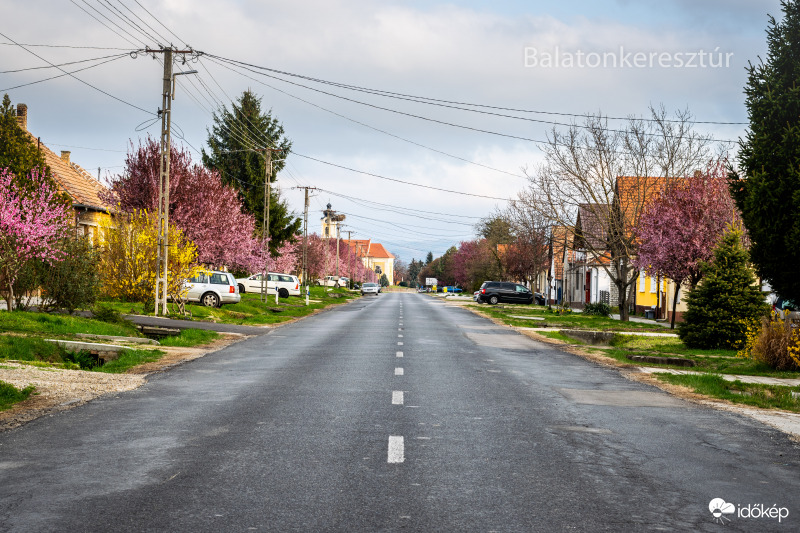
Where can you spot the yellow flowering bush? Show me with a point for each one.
(128, 247)
(773, 342)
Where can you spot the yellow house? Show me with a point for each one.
(82, 188)
(374, 256)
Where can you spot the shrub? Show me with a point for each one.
(728, 298)
(9, 394)
(598, 309)
(73, 282)
(774, 343)
(106, 313)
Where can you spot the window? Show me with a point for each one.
(218, 278)
(653, 284)
(641, 281)
(520, 288)
(200, 278)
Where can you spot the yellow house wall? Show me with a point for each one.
(647, 295)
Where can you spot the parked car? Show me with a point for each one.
(286, 284)
(370, 288)
(785, 309)
(344, 282)
(494, 292)
(213, 288)
(539, 298)
(331, 281)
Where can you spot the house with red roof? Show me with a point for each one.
(374, 256)
(82, 188)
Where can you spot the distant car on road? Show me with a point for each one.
(213, 288)
(370, 288)
(494, 292)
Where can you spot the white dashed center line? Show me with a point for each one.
(400, 336)
(400, 343)
(397, 397)
(399, 371)
(399, 354)
(397, 453)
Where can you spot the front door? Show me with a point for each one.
(588, 287)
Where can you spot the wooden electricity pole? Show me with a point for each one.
(162, 252)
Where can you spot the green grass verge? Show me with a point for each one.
(52, 324)
(251, 310)
(128, 359)
(766, 396)
(716, 361)
(559, 336)
(567, 321)
(30, 349)
(190, 337)
(9, 394)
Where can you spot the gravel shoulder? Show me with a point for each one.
(58, 390)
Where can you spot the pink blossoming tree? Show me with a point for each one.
(680, 228)
(209, 213)
(30, 227)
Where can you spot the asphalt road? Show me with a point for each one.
(395, 412)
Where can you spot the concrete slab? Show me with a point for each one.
(78, 346)
(621, 398)
(520, 317)
(763, 380)
(502, 340)
(135, 340)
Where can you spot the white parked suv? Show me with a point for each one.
(286, 284)
(213, 288)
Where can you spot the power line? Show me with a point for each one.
(434, 101)
(398, 180)
(68, 46)
(159, 21)
(62, 75)
(383, 208)
(420, 117)
(126, 20)
(165, 41)
(109, 20)
(60, 64)
(370, 126)
(77, 78)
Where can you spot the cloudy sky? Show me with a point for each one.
(538, 56)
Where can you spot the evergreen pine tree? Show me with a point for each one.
(767, 192)
(234, 141)
(429, 258)
(725, 302)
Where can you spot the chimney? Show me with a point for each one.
(65, 156)
(22, 116)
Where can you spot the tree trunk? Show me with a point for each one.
(622, 290)
(674, 305)
(10, 300)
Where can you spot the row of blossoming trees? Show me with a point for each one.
(208, 228)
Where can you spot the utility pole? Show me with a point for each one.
(162, 268)
(162, 254)
(349, 242)
(305, 245)
(337, 249)
(265, 236)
